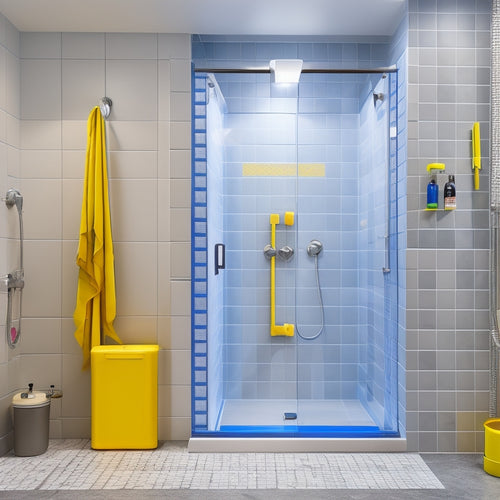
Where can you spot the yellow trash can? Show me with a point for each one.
(492, 446)
(124, 397)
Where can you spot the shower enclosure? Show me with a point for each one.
(294, 255)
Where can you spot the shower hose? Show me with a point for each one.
(320, 297)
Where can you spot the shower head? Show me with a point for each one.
(314, 248)
(14, 197)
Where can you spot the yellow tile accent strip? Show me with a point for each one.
(283, 169)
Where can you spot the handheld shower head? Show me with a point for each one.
(14, 197)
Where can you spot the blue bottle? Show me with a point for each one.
(432, 195)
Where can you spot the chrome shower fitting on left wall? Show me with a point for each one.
(15, 279)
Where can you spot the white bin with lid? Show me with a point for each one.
(31, 422)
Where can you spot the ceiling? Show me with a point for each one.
(231, 17)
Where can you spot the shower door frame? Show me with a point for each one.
(199, 296)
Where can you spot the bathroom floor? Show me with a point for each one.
(71, 469)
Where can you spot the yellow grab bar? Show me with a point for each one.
(286, 329)
(476, 154)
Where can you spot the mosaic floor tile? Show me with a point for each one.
(72, 465)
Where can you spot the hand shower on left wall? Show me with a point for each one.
(14, 281)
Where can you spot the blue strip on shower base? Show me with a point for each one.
(299, 431)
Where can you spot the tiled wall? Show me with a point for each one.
(148, 78)
(9, 228)
(447, 259)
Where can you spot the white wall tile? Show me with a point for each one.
(163, 150)
(69, 283)
(180, 263)
(133, 165)
(164, 283)
(174, 429)
(136, 279)
(132, 85)
(82, 87)
(134, 208)
(37, 164)
(41, 369)
(83, 46)
(131, 46)
(163, 209)
(72, 196)
(174, 401)
(180, 193)
(180, 135)
(163, 90)
(42, 291)
(74, 133)
(137, 329)
(174, 368)
(41, 336)
(12, 85)
(3, 80)
(180, 164)
(180, 106)
(11, 38)
(75, 387)
(180, 301)
(68, 341)
(180, 224)
(174, 332)
(40, 134)
(41, 89)
(37, 45)
(42, 208)
(174, 46)
(180, 75)
(132, 136)
(73, 164)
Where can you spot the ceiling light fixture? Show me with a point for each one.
(285, 70)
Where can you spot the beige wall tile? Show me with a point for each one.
(164, 90)
(73, 164)
(82, 87)
(164, 280)
(170, 428)
(180, 261)
(37, 45)
(174, 46)
(136, 271)
(76, 387)
(41, 164)
(69, 277)
(132, 136)
(131, 45)
(72, 195)
(83, 46)
(174, 332)
(132, 85)
(181, 298)
(41, 89)
(76, 428)
(174, 401)
(133, 165)
(42, 208)
(134, 209)
(74, 134)
(164, 215)
(174, 368)
(41, 336)
(41, 369)
(42, 291)
(137, 329)
(40, 134)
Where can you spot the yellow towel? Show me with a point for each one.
(95, 308)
